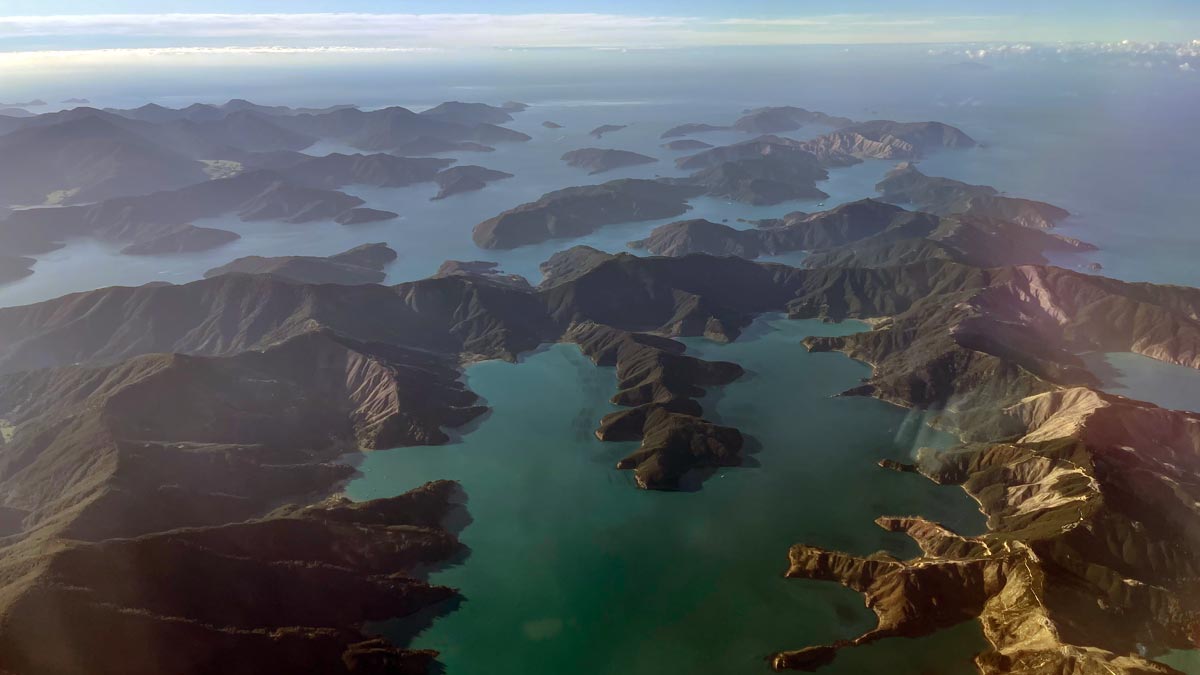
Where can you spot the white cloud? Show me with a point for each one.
(1125, 53)
(319, 24)
(476, 30)
(112, 57)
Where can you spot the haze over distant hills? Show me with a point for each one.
(141, 175)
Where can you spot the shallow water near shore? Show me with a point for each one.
(573, 569)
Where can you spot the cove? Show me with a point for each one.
(572, 569)
(1140, 377)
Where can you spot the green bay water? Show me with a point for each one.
(573, 569)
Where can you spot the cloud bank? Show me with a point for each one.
(478, 30)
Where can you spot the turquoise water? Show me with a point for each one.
(1146, 379)
(572, 569)
(1183, 660)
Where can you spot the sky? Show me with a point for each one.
(37, 32)
(76, 24)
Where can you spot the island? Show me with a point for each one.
(779, 119)
(362, 216)
(467, 178)
(576, 211)
(401, 130)
(32, 103)
(691, 128)
(185, 239)
(767, 179)
(551, 125)
(881, 139)
(905, 184)
(599, 131)
(359, 265)
(687, 144)
(470, 114)
(599, 160)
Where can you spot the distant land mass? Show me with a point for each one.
(254, 195)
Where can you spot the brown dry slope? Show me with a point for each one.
(1093, 548)
(196, 413)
